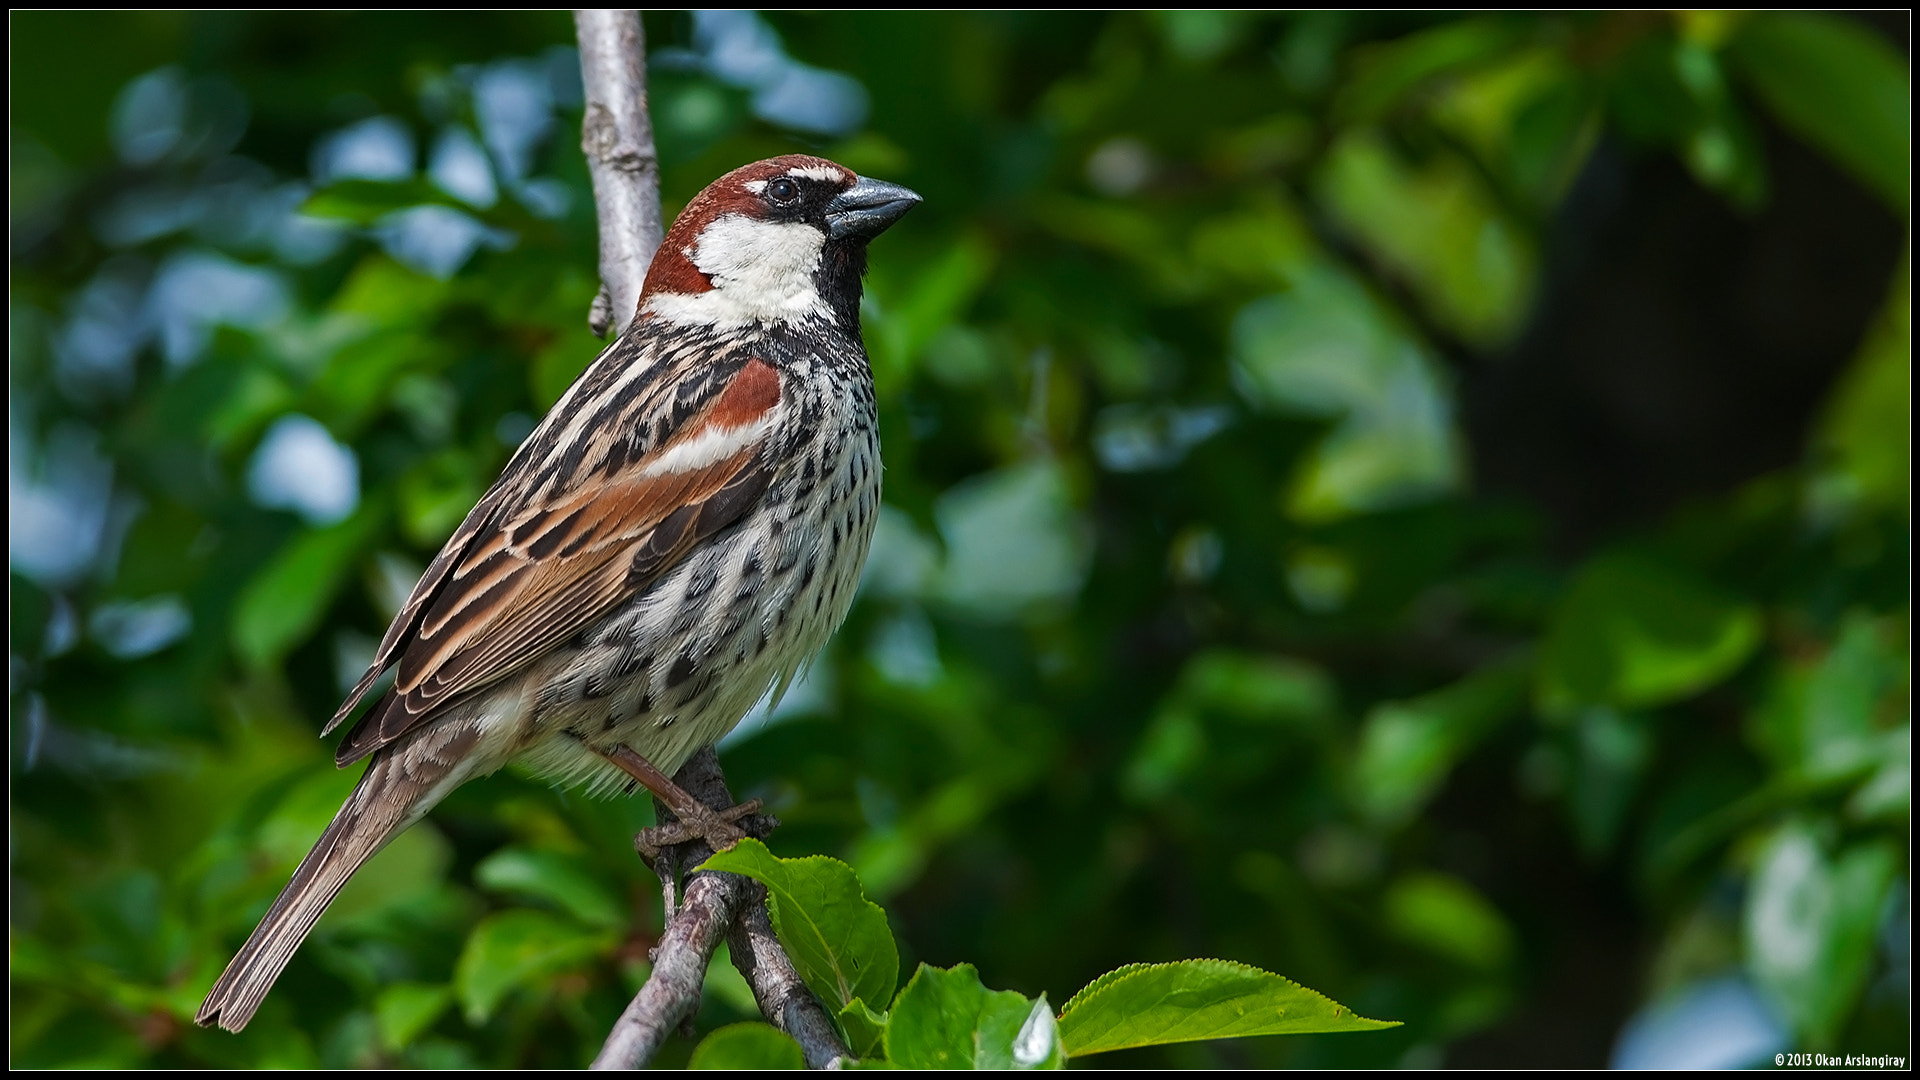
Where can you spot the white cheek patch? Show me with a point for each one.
(761, 271)
(818, 172)
(760, 255)
(713, 443)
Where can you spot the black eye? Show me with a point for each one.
(783, 190)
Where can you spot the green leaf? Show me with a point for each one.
(1153, 1004)
(1864, 430)
(1448, 916)
(517, 948)
(1810, 925)
(747, 1046)
(1839, 85)
(1407, 748)
(866, 1030)
(255, 395)
(284, 602)
(1888, 794)
(945, 1019)
(555, 878)
(1633, 632)
(1551, 136)
(838, 939)
(1173, 746)
(1387, 72)
(1015, 540)
(1329, 348)
(404, 1010)
(360, 382)
(1259, 689)
(1264, 243)
(1438, 226)
(1611, 749)
(1819, 713)
(384, 293)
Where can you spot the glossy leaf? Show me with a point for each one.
(1151, 1004)
(866, 1030)
(945, 1019)
(838, 939)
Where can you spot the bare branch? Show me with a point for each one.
(672, 992)
(711, 906)
(783, 998)
(617, 136)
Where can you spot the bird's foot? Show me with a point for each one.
(690, 818)
(721, 829)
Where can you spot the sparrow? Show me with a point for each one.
(681, 533)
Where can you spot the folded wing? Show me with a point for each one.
(569, 533)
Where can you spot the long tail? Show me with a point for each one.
(401, 785)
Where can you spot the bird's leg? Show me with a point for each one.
(696, 819)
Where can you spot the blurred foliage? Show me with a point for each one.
(1187, 632)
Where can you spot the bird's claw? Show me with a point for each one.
(716, 827)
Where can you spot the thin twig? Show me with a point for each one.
(617, 136)
(712, 906)
(697, 920)
(783, 999)
(672, 992)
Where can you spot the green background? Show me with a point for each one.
(1418, 504)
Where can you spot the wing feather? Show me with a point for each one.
(532, 567)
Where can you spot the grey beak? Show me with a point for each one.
(867, 208)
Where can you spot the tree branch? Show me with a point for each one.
(617, 135)
(672, 992)
(715, 905)
(784, 1000)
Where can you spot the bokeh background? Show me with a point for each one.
(1417, 503)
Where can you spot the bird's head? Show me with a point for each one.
(778, 240)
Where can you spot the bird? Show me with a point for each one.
(681, 533)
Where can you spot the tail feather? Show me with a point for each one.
(396, 790)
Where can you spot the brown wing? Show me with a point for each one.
(580, 522)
